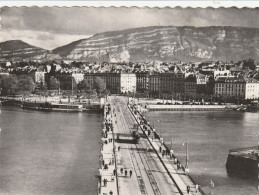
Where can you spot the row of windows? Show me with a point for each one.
(229, 89)
(230, 85)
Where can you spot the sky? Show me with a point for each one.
(51, 27)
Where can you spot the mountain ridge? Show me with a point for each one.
(13, 49)
(184, 43)
(162, 43)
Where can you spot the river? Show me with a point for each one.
(49, 152)
(57, 152)
(210, 136)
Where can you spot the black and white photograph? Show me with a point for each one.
(129, 100)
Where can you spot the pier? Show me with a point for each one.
(134, 159)
(186, 107)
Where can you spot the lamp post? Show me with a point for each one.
(187, 157)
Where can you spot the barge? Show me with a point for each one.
(243, 162)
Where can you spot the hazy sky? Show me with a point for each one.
(52, 27)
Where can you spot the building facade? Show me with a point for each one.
(78, 77)
(128, 82)
(178, 83)
(230, 87)
(113, 82)
(190, 86)
(142, 82)
(166, 83)
(252, 89)
(154, 85)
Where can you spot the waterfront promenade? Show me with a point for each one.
(146, 167)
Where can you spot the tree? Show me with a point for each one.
(53, 83)
(25, 85)
(84, 85)
(9, 84)
(249, 64)
(99, 84)
(67, 81)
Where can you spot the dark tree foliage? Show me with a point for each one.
(25, 85)
(66, 83)
(84, 85)
(53, 83)
(99, 85)
(249, 64)
(9, 85)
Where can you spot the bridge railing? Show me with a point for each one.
(167, 148)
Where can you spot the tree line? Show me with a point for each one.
(24, 85)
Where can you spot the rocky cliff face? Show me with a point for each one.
(18, 49)
(166, 44)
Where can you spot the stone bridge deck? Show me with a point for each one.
(153, 173)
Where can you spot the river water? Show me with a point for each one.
(210, 136)
(49, 152)
(57, 152)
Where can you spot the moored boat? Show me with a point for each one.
(46, 106)
(67, 107)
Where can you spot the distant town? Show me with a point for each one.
(198, 82)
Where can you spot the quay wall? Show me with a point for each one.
(186, 107)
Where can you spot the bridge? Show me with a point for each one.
(143, 165)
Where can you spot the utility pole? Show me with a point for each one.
(72, 85)
(59, 90)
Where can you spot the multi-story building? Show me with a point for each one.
(38, 76)
(230, 87)
(142, 81)
(128, 82)
(166, 83)
(78, 77)
(89, 77)
(202, 83)
(178, 83)
(252, 89)
(113, 82)
(154, 85)
(190, 85)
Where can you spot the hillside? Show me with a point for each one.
(18, 49)
(166, 43)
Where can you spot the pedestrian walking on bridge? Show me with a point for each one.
(130, 172)
(197, 188)
(126, 173)
(188, 189)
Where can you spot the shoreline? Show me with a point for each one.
(36, 103)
